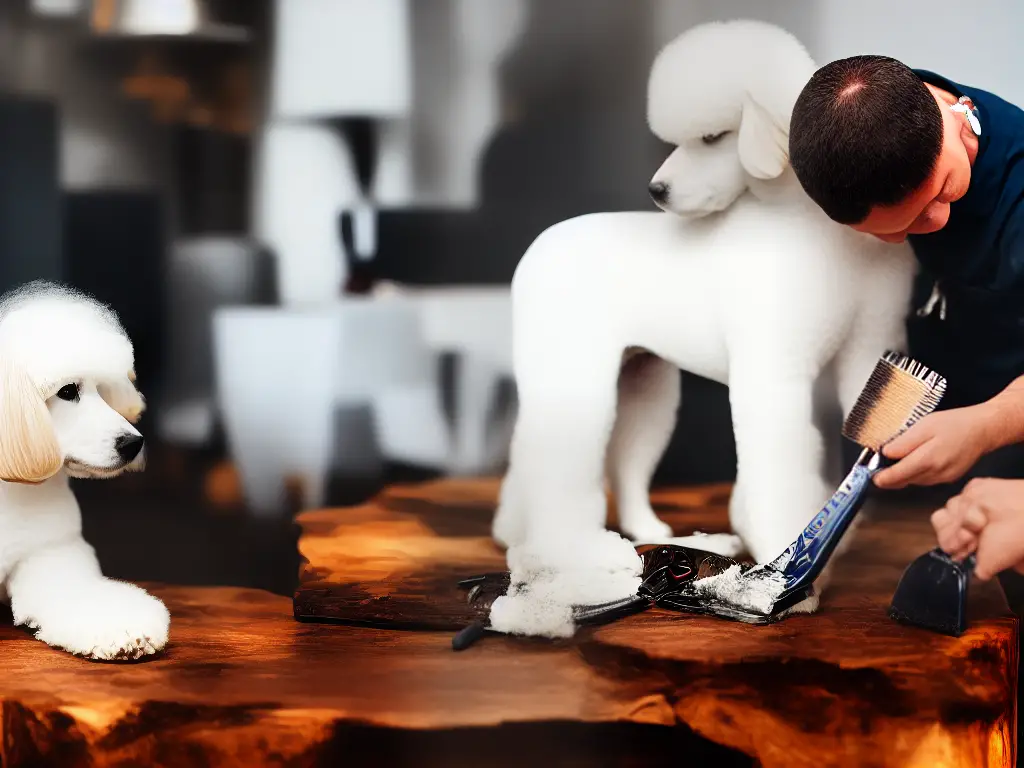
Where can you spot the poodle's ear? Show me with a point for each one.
(124, 398)
(763, 141)
(29, 452)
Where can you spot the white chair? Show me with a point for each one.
(282, 375)
(275, 386)
(475, 323)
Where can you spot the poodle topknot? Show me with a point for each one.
(54, 332)
(736, 77)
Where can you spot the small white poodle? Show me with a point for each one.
(744, 281)
(67, 405)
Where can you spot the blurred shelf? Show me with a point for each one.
(220, 34)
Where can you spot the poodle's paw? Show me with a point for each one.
(644, 527)
(774, 531)
(608, 550)
(109, 620)
(548, 582)
(764, 549)
(807, 605)
(604, 551)
(769, 521)
(725, 544)
(592, 551)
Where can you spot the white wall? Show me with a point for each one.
(974, 43)
(671, 17)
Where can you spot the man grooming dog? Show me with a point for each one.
(67, 406)
(909, 154)
(728, 282)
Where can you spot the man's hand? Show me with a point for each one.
(987, 518)
(940, 448)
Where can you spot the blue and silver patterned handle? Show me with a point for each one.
(805, 558)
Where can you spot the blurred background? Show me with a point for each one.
(307, 214)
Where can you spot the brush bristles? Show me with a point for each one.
(899, 393)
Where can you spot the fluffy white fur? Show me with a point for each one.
(748, 284)
(67, 402)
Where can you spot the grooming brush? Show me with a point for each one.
(898, 394)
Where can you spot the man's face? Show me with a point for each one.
(927, 208)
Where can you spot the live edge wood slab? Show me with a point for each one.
(243, 683)
(843, 687)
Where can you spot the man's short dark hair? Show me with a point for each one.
(865, 131)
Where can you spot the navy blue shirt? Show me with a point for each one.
(977, 259)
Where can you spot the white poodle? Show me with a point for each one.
(67, 404)
(748, 284)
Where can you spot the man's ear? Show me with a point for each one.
(763, 141)
(29, 452)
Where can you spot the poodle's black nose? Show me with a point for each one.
(128, 446)
(658, 190)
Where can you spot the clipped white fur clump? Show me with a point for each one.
(541, 598)
(755, 590)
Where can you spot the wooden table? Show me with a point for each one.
(846, 686)
(243, 683)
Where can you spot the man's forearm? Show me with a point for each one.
(1004, 416)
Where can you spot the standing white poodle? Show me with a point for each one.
(748, 284)
(67, 404)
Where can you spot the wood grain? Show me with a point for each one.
(243, 683)
(846, 686)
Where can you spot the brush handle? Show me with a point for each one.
(806, 557)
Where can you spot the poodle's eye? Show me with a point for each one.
(712, 138)
(68, 392)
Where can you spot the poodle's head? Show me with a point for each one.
(722, 94)
(67, 387)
